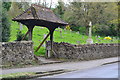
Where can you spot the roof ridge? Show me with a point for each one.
(41, 6)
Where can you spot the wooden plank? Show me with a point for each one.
(42, 42)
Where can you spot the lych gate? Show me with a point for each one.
(39, 16)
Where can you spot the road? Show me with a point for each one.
(104, 71)
(79, 65)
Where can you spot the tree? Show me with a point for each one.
(70, 15)
(17, 8)
(50, 4)
(81, 13)
(60, 9)
(0, 21)
(118, 28)
(22, 5)
(6, 5)
(5, 22)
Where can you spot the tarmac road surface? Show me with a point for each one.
(104, 71)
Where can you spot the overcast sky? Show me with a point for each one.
(54, 2)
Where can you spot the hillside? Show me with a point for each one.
(65, 36)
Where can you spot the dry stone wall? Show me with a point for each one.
(16, 53)
(83, 52)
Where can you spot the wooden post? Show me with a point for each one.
(48, 54)
(30, 34)
(30, 30)
(51, 41)
(51, 29)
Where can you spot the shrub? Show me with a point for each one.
(105, 30)
(74, 28)
(82, 30)
(108, 38)
(20, 36)
(68, 27)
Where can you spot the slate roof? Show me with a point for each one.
(39, 16)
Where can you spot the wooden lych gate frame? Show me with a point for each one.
(39, 16)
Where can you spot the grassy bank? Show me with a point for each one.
(65, 36)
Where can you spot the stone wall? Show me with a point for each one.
(0, 53)
(16, 53)
(83, 52)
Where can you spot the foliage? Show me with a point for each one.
(5, 23)
(0, 22)
(104, 30)
(68, 27)
(118, 28)
(6, 5)
(80, 14)
(108, 38)
(82, 30)
(20, 36)
(17, 8)
(60, 9)
(17, 75)
(23, 5)
(74, 28)
(40, 52)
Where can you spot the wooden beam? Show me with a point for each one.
(51, 40)
(42, 42)
(30, 35)
(25, 35)
(30, 30)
